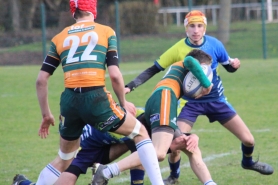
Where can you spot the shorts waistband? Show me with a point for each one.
(84, 89)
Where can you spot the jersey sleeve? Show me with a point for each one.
(222, 54)
(194, 66)
(168, 57)
(112, 40)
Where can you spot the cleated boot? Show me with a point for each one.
(260, 167)
(18, 178)
(98, 177)
(170, 180)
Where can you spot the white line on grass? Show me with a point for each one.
(185, 165)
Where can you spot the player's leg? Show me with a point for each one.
(117, 150)
(96, 147)
(145, 153)
(132, 160)
(174, 158)
(161, 115)
(68, 150)
(241, 131)
(70, 129)
(50, 174)
(223, 112)
(187, 117)
(198, 166)
(128, 125)
(137, 174)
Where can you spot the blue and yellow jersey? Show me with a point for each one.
(173, 79)
(81, 49)
(211, 46)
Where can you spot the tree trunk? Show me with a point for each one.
(15, 16)
(224, 21)
(30, 14)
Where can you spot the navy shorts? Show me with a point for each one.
(90, 154)
(220, 110)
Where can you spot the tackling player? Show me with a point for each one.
(160, 115)
(214, 105)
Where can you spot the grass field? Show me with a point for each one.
(252, 90)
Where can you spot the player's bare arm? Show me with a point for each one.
(117, 83)
(205, 91)
(42, 93)
(192, 142)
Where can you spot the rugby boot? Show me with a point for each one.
(260, 167)
(98, 177)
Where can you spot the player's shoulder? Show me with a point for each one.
(107, 30)
(181, 42)
(63, 33)
(103, 27)
(212, 40)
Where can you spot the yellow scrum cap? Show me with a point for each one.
(195, 16)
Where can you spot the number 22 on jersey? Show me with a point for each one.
(74, 42)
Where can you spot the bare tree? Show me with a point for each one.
(224, 21)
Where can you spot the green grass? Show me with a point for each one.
(251, 90)
(26, 47)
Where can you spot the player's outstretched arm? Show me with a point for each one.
(205, 91)
(141, 78)
(194, 66)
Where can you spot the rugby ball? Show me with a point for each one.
(191, 85)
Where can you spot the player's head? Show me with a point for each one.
(201, 56)
(195, 16)
(81, 8)
(195, 24)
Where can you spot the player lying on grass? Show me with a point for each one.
(161, 114)
(96, 147)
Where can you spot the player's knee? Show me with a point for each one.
(249, 140)
(160, 155)
(67, 156)
(138, 129)
(175, 153)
